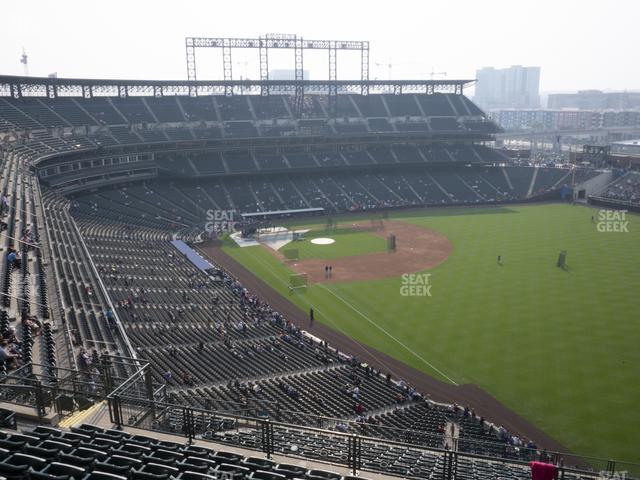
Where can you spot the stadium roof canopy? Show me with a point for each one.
(20, 86)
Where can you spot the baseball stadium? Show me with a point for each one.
(306, 279)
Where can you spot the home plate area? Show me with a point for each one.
(273, 237)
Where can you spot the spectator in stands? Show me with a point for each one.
(13, 257)
(27, 238)
(6, 356)
(10, 335)
(111, 318)
(342, 427)
(626, 188)
(187, 379)
(33, 324)
(355, 393)
(84, 359)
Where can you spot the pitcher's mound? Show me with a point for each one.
(323, 241)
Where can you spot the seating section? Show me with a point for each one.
(350, 128)
(39, 113)
(379, 125)
(240, 129)
(70, 112)
(402, 105)
(153, 135)
(447, 124)
(88, 452)
(198, 109)
(371, 106)
(25, 310)
(549, 178)
(234, 161)
(407, 154)
(313, 106)
(84, 303)
(269, 107)
(161, 204)
(239, 161)
(314, 127)
(208, 163)
(420, 126)
(626, 188)
(437, 105)
(102, 110)
(125, 135)
(178, 318)
(37, 110)
(42, 126)
(271, 161)
(166, 109)
(133, 109)
(420, 421)
(234, 108)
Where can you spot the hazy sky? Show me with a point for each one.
(579, 44)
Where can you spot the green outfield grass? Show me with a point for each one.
(560, 347)
(348, 242)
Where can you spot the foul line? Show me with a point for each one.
(415, 354)
(328, 317)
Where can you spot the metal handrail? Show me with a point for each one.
(556, 456)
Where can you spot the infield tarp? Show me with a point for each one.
(193, 256)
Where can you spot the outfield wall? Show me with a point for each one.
(615, 204)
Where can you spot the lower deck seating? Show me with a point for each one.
(163, 203)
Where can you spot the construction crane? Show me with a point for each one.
(24, 60)
(244, 64)
(432, 74)
(390, 66)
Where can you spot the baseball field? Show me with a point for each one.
(559, 346)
